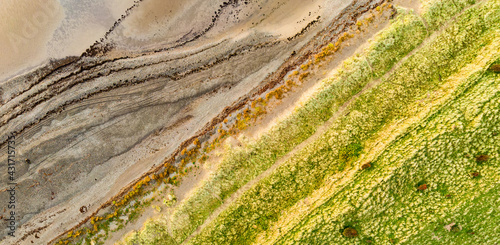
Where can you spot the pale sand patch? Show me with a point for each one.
(158, 22)
(34, 31)
(155, 16)
(118, 7)
(25, 28)
(410, 4)
(289, 17)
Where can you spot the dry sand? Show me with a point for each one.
(34, 31)
(26, 27)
